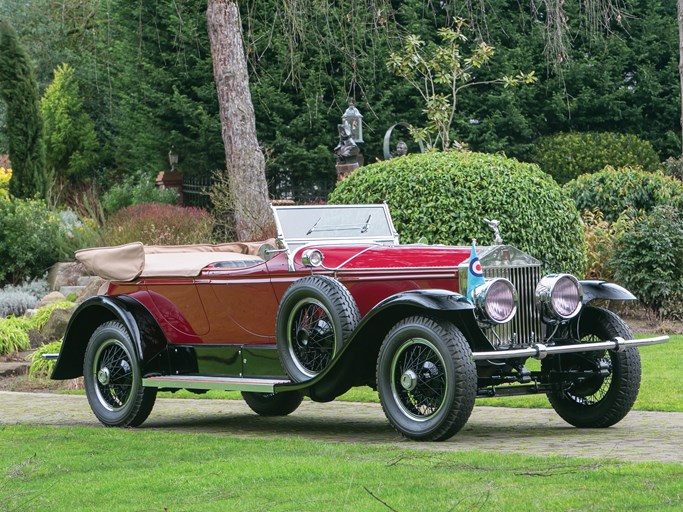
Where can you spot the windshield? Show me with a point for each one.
(303, 224)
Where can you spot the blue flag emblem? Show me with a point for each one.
(475, 274)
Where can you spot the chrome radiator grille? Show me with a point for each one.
(525, 327)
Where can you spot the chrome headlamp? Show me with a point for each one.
(560, 297)
(312, 258)
(495, 300)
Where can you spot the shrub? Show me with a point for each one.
(566, 156)
(446, 196)
(134, 191)
(5, 177)
(13, 335)
(159, 224)
(28, 239)
(16, 302)
(600, 244)
(42, 368)
(672, 167)
(648, 258)
(74, 233)
(614, 190)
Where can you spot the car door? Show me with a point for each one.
(240, 304)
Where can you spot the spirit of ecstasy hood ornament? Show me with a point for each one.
(493, 224)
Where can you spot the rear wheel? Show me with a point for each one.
(426, 378)
(273, 404)
(113, 381)
(596, 401)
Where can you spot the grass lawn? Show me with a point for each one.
(43, 468)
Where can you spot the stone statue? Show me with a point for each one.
(493, 224)
(401, 148)
(347, 150)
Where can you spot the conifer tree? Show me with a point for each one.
(18, 88)
(70, 139)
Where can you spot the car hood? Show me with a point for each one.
(360, 257)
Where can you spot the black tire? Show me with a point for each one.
(113, 380)
(426, 378)
(269, 404)
(597, 402)
(316, 316)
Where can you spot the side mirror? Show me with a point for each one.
(267, 251)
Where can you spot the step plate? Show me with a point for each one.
(222, 383)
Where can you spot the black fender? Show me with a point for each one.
(604, 290)
(143, 328)
(355, 363)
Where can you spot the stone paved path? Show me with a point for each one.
(641, 436)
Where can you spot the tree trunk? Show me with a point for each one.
(679, 4)
(244, 160)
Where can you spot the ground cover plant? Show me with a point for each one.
(14, 330)
(57, 469)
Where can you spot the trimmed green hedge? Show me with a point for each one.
(446, 196)
(566, 156)
(614, 190)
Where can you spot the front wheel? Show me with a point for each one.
(273, 404)
(426, 378)
(604, 398)
(113, 381)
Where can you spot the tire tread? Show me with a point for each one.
(145, 397)
(465, 392)
(626, 378)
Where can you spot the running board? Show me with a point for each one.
(221, 383)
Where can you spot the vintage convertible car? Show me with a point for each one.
(335, 302)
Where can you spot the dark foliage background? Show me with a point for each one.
(144, 69)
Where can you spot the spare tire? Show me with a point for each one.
(316, 316)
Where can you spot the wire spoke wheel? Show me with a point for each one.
(593, 390)
(113, 378)
(426, 378)
(113, 374)
(596, 389)
(419, 380)
(311, 336)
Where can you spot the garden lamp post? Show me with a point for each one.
(354, 118)
(349, 157)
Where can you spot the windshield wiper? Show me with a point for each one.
(313, 226)
(339, 227)
(364, 229)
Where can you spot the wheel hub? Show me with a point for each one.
(409, 380)
(302, 337)
(103, 376)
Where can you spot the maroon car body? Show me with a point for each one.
(337, 302)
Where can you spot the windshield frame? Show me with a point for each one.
(291, 245)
